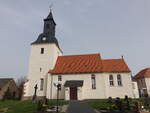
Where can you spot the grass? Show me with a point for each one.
(18, 106)
(23, 106)
(100, 104)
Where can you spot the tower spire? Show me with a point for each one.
(48, 35)
(50, 7)
(50, 15)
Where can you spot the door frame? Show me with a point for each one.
(73, 93)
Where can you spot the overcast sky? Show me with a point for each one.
(110, 27)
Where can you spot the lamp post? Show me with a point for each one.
(35, 91)
(58, 86)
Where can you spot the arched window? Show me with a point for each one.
(42, 50)
(93, 81)
(119, 80)
(42, 84)
(59, 78)
(111, 80)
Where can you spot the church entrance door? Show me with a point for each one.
(73, 93)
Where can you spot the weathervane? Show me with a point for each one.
(51, 6)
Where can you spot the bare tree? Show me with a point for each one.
(20, 84)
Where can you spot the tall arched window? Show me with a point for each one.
(59, 78)
(119, 80)
(42, 84)
(111, 80)
(93, 81)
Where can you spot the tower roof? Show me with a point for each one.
(45, 38)
(50, 17)
(48, 35)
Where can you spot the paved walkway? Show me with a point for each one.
(79, 107)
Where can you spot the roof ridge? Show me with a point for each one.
(143, 73)
(114, 59)
(146, 68)
(143, 70)
(82, 54)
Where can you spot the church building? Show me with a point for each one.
(85, 76)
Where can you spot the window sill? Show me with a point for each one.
(120, 86)
(115, 86)
(111, 86)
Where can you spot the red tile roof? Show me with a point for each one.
(144, 73)
(78, 64)
(115, 65)
(88, 64)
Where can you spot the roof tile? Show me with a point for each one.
(115, 65)
(88, 64)
(143, 73)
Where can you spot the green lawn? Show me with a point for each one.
(100, 104)
(23, 106)
(18, 106)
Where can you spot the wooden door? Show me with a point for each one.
(73, 93)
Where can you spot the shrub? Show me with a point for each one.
(7, 95)
(40, 106)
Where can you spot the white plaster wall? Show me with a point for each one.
(79, 90)
(119, 91)
(103, 89)
(67, 93)
(45, 61)
(135, 89)
(85, 92)
(147, 80)
(49, 87)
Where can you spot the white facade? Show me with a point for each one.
(147, 80)
(39, 66)
(103, 88)
(144, 86)
(135, 89)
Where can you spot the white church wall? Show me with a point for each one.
(67, 94)
(44, 61)
(79, 93)
(116, 90)
(49, 87)
(85, 92)
(103, 88)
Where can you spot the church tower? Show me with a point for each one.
(43, 56)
